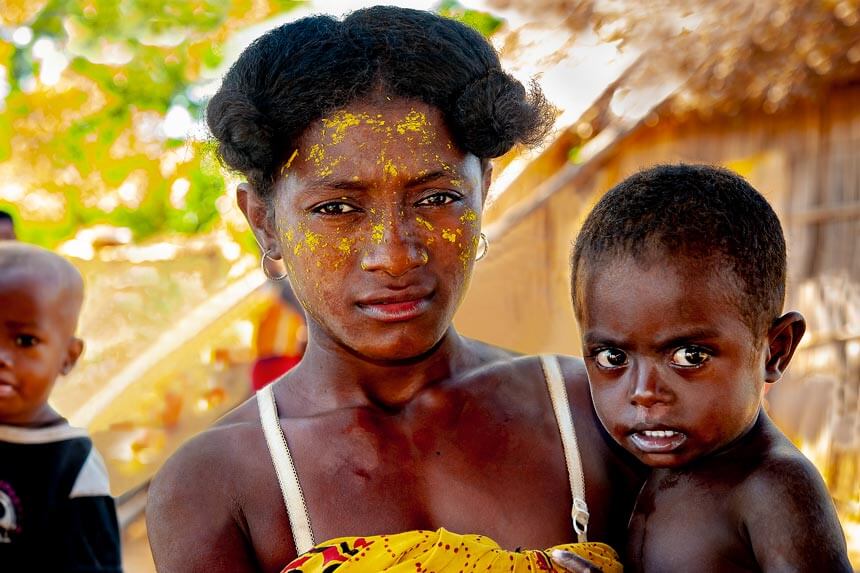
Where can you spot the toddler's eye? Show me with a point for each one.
(690, 357)
(334, 208)
(438, 199)
(25, 341)
(611, 358)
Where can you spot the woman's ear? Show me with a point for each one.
(256, 211)
(486, 178)
(782, 340)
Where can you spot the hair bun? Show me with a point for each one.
(244, 131)
(495, 112)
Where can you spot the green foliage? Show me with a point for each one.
(483, 22)
(91, 139)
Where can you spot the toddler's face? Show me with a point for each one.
(37, 343)
(674, 370)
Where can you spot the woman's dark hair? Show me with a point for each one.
(303, 70)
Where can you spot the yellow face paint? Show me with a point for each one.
(313, 240)
(449, 235)
(377, 233)
(425, 223)
(469, 216)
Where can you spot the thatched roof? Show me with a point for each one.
(733, 54)
(700, 58)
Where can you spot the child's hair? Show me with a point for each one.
(299, 72)
(701, 212)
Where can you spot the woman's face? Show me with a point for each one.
(378, 214)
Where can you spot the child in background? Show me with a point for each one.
(7, 227)
(56, 512)
(678, 286)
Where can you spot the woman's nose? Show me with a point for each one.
(394, 248)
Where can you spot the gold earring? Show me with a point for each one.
(266, 269)
(485, 250)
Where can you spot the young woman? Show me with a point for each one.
(366, 145)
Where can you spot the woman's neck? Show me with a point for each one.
(331, 376)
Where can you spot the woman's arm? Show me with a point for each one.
(192, 515)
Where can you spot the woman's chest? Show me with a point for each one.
(499, 476)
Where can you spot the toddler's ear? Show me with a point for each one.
(782, 340)
(73, 352)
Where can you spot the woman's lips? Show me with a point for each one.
(396, 310)
(661, 441)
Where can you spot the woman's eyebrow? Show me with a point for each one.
(359, 185)
(427, 177)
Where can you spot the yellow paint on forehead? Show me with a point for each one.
(389, 168)
(414, 121)
(290, 160)
(340, 122)
(317, 153)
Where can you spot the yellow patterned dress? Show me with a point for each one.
(437, 551)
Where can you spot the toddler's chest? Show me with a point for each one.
(679, 525)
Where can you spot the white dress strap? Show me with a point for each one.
(558, 396)
(294, 499)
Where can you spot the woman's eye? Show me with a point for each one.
(610, 358)
(690, 357)
(334, 208)
(438, 199)
(26, 341)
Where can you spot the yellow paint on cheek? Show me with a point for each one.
(313, 240)
(425, 223)
(469, 216)
(377, 233)
(425, 257)
(345, 245)
(449, 235)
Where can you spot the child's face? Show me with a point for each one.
(675, 372)
(37, 343)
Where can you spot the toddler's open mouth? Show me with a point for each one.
(660, 441)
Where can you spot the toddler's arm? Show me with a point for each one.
(790, 519)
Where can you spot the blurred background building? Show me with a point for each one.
(103, 156)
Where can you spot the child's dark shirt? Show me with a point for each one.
(56, 511)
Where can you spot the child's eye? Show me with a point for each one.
(611, 358)
(438, 199)
(334, 208)
(26, 340)
(690, 357)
